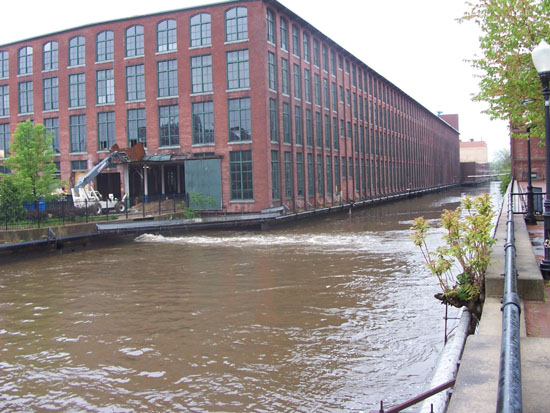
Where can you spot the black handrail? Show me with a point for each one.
(509, 380)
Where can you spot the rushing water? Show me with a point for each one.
(328, 315)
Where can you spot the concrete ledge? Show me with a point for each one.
(477, 381)
(530, 281)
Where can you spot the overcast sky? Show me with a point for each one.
(417, 45)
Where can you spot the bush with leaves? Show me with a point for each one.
(467, 246)
(11, 201)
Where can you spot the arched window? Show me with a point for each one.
(200, 30)
(24, 61)
(270, 21)
(134, 41)
(77, 51)
(236, 24)
(104, 46)
(166, 36)
(284, 34)
(49, 56)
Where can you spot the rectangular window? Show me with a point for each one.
(341, 94)
(344, 168)
(105, 130)
(77, 132)
(275, 176)
(288, 175)
(77, 90)
(201, 74)
(334, 102)
(354, 105)
(203, 123)
(295, 41)
(167, 72)
(310, 176)
(136, 127)
(354, 76)
(340, 62)
(326, 94)
(317, 82)
(336, 175)
(309, 128)
(342, 129)
(297, 82)
(307, 85)
(320, 175)
(307, 49)
(335, 133)
(52, 128)
(240, 167)
(4, 140)
(350, 168)
(316, 52)
(25, 97)
(285, 79)
(325, 57)
(300, 173)
(273, 121)
(169, 130)
(240, 129)
(4, 65)
(318, 130)
(357, 175)
(298, 125)
(348, 97)
(355, 139)
(349, 130)
(272, 70)
(135, 83)
(270, 22)
(105, 86)
(329, 174)
(284, 35)
(79, 166)
(4, 100)
(286, 123)
(332, 62)
(327, 132)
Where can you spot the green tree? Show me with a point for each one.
(501, 163)
(509, 82)
(31, 163)
(11, 207)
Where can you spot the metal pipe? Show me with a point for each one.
(509, 380)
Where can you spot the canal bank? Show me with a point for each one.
(77, 236)
(477, 381)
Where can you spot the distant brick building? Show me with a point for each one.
(244, 101)
(518, 156)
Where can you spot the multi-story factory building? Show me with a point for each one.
(244, 101)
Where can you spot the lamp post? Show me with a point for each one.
(529, 216)
(541, 60)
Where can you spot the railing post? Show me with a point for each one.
(86, 206)
(127, 202)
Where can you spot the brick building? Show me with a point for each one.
(244, 101)
(518, 156)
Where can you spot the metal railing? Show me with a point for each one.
(63, 212)
(509, 380)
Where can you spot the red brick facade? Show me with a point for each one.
(395, 143)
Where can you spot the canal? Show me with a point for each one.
(329, 315)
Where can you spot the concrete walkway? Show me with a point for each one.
(477, 381)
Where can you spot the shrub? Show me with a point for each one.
(467, 246)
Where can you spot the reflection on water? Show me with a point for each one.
(331, 315)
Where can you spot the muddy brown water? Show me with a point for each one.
(329, 315)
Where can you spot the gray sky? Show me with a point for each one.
(417, 45)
